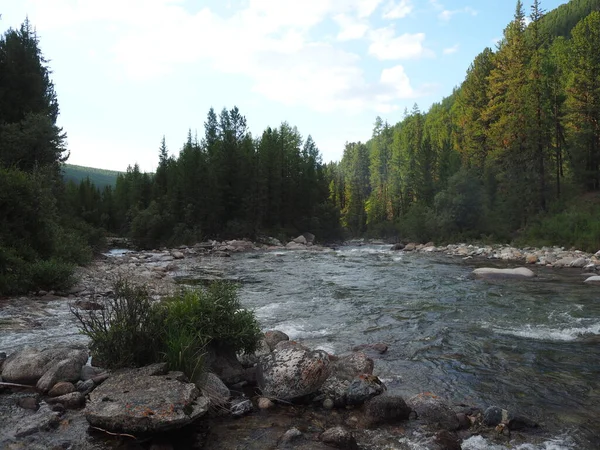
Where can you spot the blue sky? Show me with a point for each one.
(128, 72)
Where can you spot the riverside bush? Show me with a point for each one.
(127, 332)
(132, 331)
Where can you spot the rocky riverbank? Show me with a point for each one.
(285, 396)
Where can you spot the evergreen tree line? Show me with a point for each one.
(39, 240)
(227, 185)
(508, 151)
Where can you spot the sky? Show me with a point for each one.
(128, 72)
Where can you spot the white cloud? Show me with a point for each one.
(385, 45)
(398, 10)
(268, 42)
(447, 14)
(451, 50)
(350, 29)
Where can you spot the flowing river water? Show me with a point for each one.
(531, 346)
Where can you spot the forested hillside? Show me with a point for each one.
(228, 184)
(508, 154)
(99, 177)
(513, 153)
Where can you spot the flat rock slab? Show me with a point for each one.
(139, 402)
(490, 272)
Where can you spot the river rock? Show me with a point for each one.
(43, 419)
(265, 403)
(137, 401)
(61, 388)
(593, 280)
(72, 400)
(434, 411)
(291, 435)
(300, 240)
(295, 246)
(398, 246)
(214, 389)
(494, 416)
(292, 371)
(386, 409)
(445, 440)
(564, 262)
(89, 372)
(224, 364)
(240, 407)
(379, 347)
(350, 366)
(343, 392)
(490, 272)
(579, 263)
(274, 337)
(310, 238)
(531, 259)
(363, 388)
(339, 437)
(410, 247)
(85, 387)
(32, 403)
(44, 367)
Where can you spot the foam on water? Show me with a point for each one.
(480, 443)
(545, 333)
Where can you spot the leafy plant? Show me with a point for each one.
(131, 331)
(128, 331)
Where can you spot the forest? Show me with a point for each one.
(512, 155)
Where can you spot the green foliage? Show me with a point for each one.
(577, 225)
(460, 207)
(53, 273)
(132, 331)
(128, 332)
(216, 314)
(150, 226)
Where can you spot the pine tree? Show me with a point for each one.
(29, 136)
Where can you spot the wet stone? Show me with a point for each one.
(240, 407)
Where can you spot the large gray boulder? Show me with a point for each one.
(490, 272)
(434, 411)
(144, 401)
(45, 367)
(292, 371)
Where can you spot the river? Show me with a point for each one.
(530, 346)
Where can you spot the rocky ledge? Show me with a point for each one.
(285, 395)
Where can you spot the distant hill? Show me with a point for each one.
(100, 177)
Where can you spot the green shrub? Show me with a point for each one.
(128, 332)
(132, 331)
(51, 274)
(216, 313)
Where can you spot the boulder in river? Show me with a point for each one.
(433, 410)
(593, 280)
(386, 409)
(44, 367)
(274, 337)
(491, 272)
(144, 401)
(292, 371)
